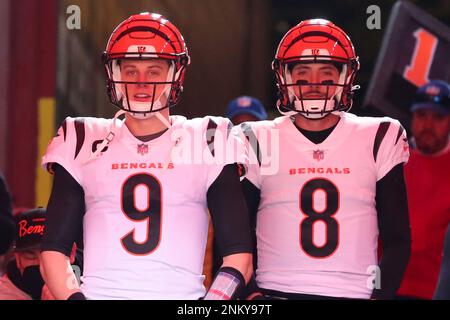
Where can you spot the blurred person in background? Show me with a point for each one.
(245, 108)
(23, 280)
(427, 177)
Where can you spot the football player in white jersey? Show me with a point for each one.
(326, 183)
(137, 189)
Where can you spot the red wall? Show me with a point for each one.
(32, 71)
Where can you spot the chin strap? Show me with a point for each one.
(107, 140)
(313, 115)
(311, 108)
(163, 119)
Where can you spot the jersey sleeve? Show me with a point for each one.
(65, 212)
(64, 148)
(390, 147)
(225, 146)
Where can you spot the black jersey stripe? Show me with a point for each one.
(229, 128)
(399, 133)
(64, 127)
(210, 134)
(253, 141)
(80, 132)
(381, 133)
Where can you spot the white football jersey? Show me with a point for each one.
(317, 228)
(146, 220)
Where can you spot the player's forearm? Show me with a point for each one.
(230, 220)
(242, 262)
(58, 274)
(393, 222)
(392, 267)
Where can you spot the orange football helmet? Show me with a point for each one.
(145, 36)
(320, 41)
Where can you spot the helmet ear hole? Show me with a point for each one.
(275, 65)
(104, 57)
(184, 60)
(282, 107)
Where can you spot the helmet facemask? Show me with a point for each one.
(162, 94)
(328, 95)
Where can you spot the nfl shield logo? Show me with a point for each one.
(142, 149)
(318, 155)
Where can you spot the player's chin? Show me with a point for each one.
(315, 98)
(148, 99)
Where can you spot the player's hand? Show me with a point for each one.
(252, 291)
